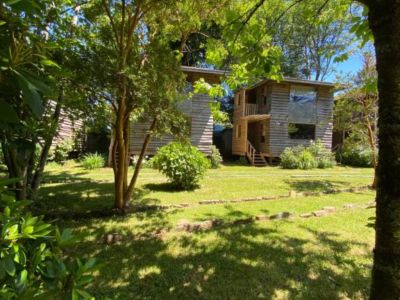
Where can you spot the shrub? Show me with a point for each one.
(307, 160)
(215, 158)
(61, 151)
(314, 156)
(33, 261)
(182, 163)
(356, 155)
(93, 161)
(242, 161)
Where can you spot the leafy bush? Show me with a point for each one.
(93, 161)
(146, 163)
(307, 160)
(356, 155)
(61, 151)
(242, 161)
(33, 262)
(182, 163)
(215, 158)
(314, 156)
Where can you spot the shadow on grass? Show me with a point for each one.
(167, 187)
(84, 199)
(316, 185)
(242, 262)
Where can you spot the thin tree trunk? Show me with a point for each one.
(384, 21)
(371, 139)
(111, 149)
(37, 177)
(135, 175)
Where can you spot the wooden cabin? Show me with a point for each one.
(198, 111)
(270, 116)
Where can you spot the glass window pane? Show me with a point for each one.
(303, 105)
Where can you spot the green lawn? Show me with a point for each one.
(300, 258)
(94, 189)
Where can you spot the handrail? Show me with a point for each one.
(251, 151)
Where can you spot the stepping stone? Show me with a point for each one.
(329, 208)
(307, 215)
(183, 225)
(112, 238)
(282, 215)
(243, 221)
(262, 218)
(348, 206)
(320, 213)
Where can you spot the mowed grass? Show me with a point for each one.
(73, 188)
(299, 258)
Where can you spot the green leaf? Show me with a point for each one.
(30, 95)
(50, 63)
(2, 22)
(7, 113)
(9, 265)
(22, 279)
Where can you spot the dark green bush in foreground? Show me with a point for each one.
(182, 163)
(311, 157)
(33, 260)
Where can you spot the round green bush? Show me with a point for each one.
(289, 159)
(215, 158)
(93, 161)
(316, 155)
(182, 163)
(355, 155)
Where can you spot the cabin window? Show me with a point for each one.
(302, 108)
(301, 131)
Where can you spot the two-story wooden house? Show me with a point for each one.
(270, 116)
(198, 111)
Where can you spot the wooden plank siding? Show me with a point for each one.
(276, 127)
(198, 110)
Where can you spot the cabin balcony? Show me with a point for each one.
(255, 111)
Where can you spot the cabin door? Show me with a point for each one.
(254, 135)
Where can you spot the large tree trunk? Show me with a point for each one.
(384, 20)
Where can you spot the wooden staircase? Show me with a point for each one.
(255, 157)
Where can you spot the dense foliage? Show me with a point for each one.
(34, 260)
(93, 161)
(60, 152)
(355, 154)
(182, 163)
(314, 156)
(215, 158)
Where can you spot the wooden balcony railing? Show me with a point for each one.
(250, 109)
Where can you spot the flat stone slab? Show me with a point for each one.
(262, 218)
(329, 208)
(307, 215)
(320, 213)
(282, 215)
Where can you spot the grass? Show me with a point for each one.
(93, 189)
(314, 258)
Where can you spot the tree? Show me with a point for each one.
(356, 110)
(36, 82)
(134, 40)
(384, 22)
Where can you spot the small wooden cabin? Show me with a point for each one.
(198, 111)
(270, 116)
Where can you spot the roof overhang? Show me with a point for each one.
(294, 81)
(209, 75)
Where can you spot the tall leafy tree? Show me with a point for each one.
(134, 40)
(356, 109)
